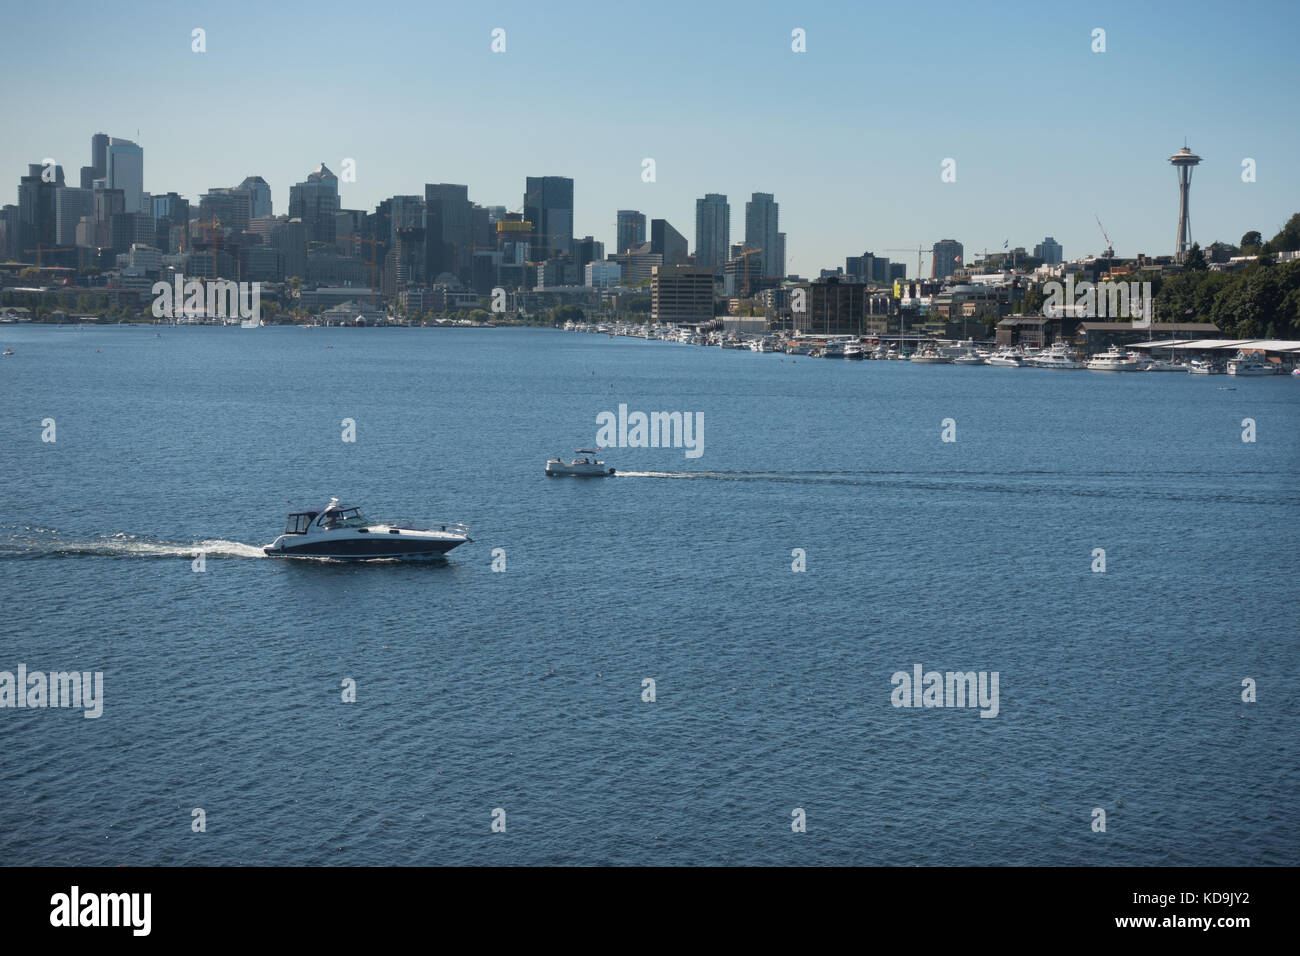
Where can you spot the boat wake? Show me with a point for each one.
(48, 544)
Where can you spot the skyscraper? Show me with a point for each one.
(260, 191)
(449, 239)
(548, 205)
(1049, 250)
(37, 209)
(70, 205)
(98, 161)
(761, 232)
(315, 200)
(631, 230)
(667, 242)
(947, 256)
(124, 170)
(712, 230)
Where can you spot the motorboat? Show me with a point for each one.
(1203, 367)
(343, 532)
(833, 350)
(1005, 358)
(9, 352)
(969, 358)
(853, 351)
(1243, 364)
(1162, 365)
(584, 467)
(930, 356)
(1114, 359)
(1058, 356)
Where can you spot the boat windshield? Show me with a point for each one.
(344, 518)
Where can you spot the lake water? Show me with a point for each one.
(523, 690)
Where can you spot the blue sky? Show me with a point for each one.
(850, 136)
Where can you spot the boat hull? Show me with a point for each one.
(554, 470)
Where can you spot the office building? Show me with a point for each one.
(712, 230)
(681, 294)
(668, 243)
(548, 205)
(631, 230)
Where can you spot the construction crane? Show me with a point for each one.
(745, 255)
(1110, 249)
(920, 252)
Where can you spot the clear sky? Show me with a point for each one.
(849, 135)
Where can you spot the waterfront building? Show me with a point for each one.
(681, 294)
(834, 305)
(603, 275)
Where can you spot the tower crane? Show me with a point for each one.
(1110, 249)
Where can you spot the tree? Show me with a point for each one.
(1251, 242)
(1194, 261)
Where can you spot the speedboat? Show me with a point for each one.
(341, 531)
(1114, 359)
(1005, 358)
(9, 352)
(585, 467)
(1058, 356)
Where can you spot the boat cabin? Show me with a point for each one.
(335, 516)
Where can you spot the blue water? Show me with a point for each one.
(522, 690)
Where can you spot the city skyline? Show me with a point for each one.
(869, 183)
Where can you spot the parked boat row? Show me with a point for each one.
(921, 352)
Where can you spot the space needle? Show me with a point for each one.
(1183, 161)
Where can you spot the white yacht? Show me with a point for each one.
(1058, 356)
(833, 350)
(853, 351)
(1162, 365)
(1243, 364)
(930, 356)
(340, 531)
(1203, 367)
(1005, 358)
(584, 467)
(1114, 359)
(969, 358)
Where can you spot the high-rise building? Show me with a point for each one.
(231, 208)
(548, 205)
(260, 191)
(585, 250)
(681, 294)
(712, 230)
(780, 256)
(1049, 250)
(667, 242)
(315, 200)
(124, 170)
(947, 257)
(761, 215)
(868, 267)
(449, 231)
(70, 205)
(38, 210)
(631, 230)
(98, 161)
(834, 305)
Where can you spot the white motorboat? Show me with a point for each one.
(1005, 358)
(969, 358)
(853, 351)
(584, 467)
(1243, 365)
(930, 356)
(341, 531)
(833, 350)
(1058, 356)
(1162, 365)
(1203, 367)
(1114, 359)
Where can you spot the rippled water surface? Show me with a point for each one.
(522, 690)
